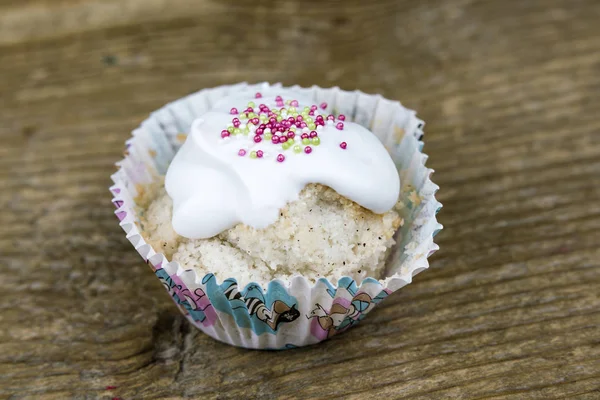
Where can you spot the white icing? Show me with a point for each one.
(213, 188)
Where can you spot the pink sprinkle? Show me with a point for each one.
(294, 103)
(255, 121)
(242, 153)
(313, 134)
(233, 111)
(283, 139)
(342, 117)
(279, 103)
(259, 131)
(303, 125)
(280, 158)
(304, 136)
(278, 98)
(275, 139)
(319, 117)
(308, 149)
(272, 120)
(257, 95)
(311, 113)
(111, 387)
(257, 139)
(323, 105)
(249, 110)
(225, 133)
(291, 135)
(262, 126)
(259, 153)
(313, 107)
(236, 122)
(340, 125)
(330, 117)
(343, 145)
(299, 118)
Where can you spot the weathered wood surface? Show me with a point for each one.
(511, 94)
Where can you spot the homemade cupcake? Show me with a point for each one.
(252, 201)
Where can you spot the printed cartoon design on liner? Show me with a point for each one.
(252, 308)
(278, 313)
(343, 313)
(195, 304)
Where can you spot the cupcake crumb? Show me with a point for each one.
(316, 230)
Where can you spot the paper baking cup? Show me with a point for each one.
(295, 312)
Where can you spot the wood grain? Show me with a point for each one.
(510, 90)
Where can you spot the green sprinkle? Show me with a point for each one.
(251, 104)
(279, 118)
(298, 149)
(268, 136)
(253, 154)
(306, 141)
(243, 116)
(316, 141)
(230, 129)
(246, 130)
(306, 110)
(237, 131)
(292, 109)
(311, 126)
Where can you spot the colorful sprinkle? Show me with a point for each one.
(282, 125)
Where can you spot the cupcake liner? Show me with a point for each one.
(294, 312)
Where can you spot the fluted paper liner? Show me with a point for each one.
(294, 312)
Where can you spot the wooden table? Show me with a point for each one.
(510, 307)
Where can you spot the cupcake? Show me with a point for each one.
(278, 217)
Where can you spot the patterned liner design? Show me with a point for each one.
(285, 314)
